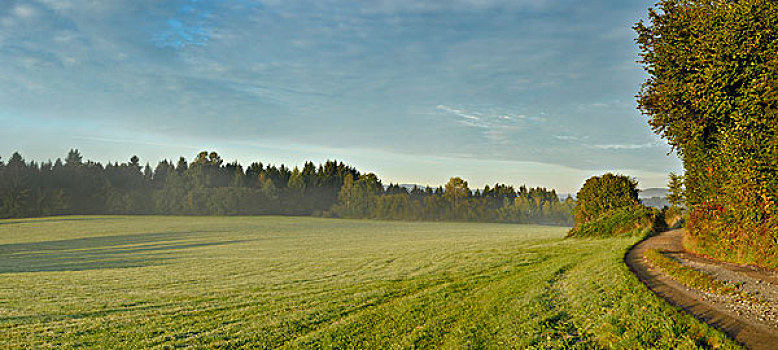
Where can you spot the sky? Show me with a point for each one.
(529, 92)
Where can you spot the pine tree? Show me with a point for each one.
(675, 193)
(74, 158)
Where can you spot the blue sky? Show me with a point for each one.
(515, 91)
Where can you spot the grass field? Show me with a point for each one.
(270, 282)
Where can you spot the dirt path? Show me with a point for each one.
(753, 324)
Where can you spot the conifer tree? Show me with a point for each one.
(675, 190)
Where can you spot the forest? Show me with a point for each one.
(209, 186)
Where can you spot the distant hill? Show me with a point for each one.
(408, 187)
(654, 197)
(656, 202)
(653, 192)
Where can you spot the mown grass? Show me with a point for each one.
(271, 282)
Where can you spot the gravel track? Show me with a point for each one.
(753, 324)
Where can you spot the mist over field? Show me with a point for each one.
(275, 282)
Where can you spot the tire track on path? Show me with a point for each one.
(754, 335)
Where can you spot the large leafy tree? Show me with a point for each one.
(602, 194)
(712, 93)
(358, 197)
(456, 193)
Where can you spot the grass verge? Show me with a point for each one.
(695, 279)
(631, 221)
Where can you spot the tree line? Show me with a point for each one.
(366, 198)
(210, 186)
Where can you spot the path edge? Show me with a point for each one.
(749, 334)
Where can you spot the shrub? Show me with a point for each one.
(602, 194)
(628, 221)
(608, 206)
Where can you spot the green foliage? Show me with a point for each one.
(209, 186)
(24, 190)
(601, 194)
(358, 198)
(675, 193)
(454, 203)
(716, 232)
(628, 221)
(456, 189)
(711, 93)
(309, 283)
(534, 207)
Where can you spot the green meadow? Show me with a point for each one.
(288, 282)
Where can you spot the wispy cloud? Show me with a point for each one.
(583, 141)
(569, 138)
(24, 12)
(472, 119)
(311, 69)
(495, 126)
(487, 119)
(626, 146)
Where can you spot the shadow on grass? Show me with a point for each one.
(105, 252)
(52, 219)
